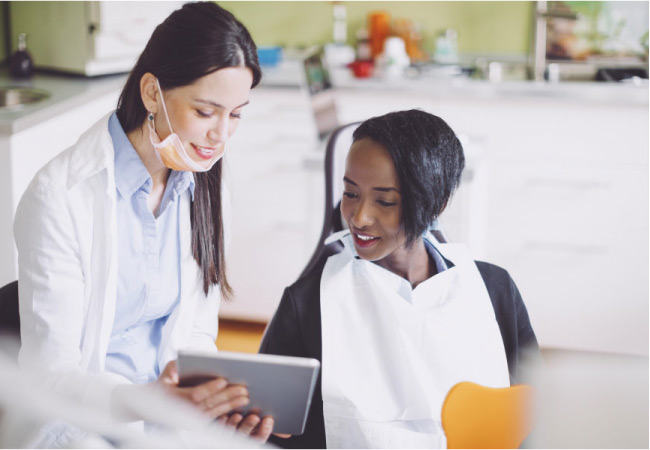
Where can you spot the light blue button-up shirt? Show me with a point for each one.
(148, 276)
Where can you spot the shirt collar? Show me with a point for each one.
(442, 263)
(131, 173)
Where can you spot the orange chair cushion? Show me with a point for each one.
(475, 416)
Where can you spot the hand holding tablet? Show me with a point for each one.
(278, 386)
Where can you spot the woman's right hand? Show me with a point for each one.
(214, 398)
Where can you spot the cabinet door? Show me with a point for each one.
(575, 239)
(567, 213)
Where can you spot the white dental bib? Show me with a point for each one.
(391, 353)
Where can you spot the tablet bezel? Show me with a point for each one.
(281, 386)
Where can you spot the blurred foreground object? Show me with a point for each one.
(28, 410)
(591, 400)
(475, 416)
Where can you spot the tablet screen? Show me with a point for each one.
(279, 386)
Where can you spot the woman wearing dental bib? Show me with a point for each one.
(395, 317)
(121, 237)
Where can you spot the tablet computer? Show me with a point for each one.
(279, 386)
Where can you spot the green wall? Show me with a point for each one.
(483, 27)
(3, 31)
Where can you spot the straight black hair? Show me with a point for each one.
(194, 41)
(428, 159)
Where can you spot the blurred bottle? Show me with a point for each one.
(338, 53)
(378, 30)
(340, 30)
(446, 47)
(409, 32)
(364, 52)
(394, 60)
(495, 71)
(20, 63)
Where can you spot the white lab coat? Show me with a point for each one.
(65, 230)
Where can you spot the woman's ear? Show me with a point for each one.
(149, 92)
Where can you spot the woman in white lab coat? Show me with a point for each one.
(121, 237)
(395, 317)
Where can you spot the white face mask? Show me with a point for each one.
(171, 152)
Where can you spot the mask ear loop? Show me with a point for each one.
(154, 137)
(152, 129)
(164, 107)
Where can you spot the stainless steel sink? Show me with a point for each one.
(15, 97)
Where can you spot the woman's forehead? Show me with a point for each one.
(370, 162)
(228, 87)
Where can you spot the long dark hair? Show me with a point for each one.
(428, 159)
(194, 41)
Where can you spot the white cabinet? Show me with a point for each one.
(568, 218)
(22, 154)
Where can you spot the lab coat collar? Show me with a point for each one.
(92, 153)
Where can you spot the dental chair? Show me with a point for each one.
(9, 323)
(475, 416)
(336, 153)
(9, 318)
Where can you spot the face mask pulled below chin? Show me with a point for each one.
(171, 151)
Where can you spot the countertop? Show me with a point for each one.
(524, 89)
(439, 84)
(69, 91)
(66, 92)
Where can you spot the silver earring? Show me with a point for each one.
(151, 117)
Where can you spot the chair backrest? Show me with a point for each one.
(9, 317)
(336, 151)
(475, 416)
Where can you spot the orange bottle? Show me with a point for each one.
(378, 30)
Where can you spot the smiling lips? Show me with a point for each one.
(364, 240)
(204, 152)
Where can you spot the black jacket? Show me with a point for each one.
(295, 330)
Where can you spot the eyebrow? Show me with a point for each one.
(381, 189)
(217, 105)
